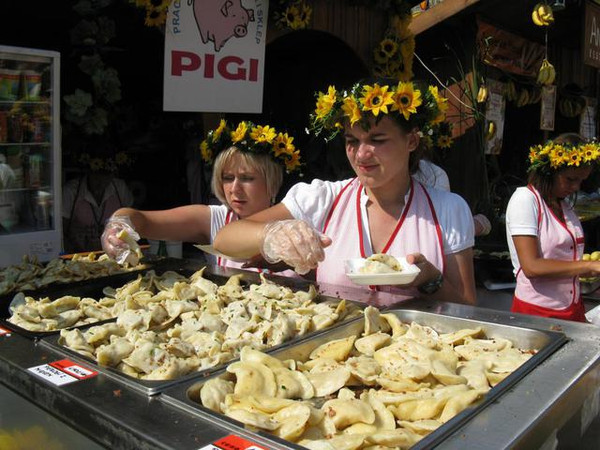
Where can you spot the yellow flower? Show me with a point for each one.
(557, 156)
(351, 110)
(305, 14)
(545, 150)
(399, 26)
(121, 158)
(574, 158)
(590, 152)
(96, 164)
(441, 102)
(388, 47)
(292, 16)
(406, 99)
(263, 134)
(217, 133)
(292, 162)
(205, 152)
(155, 17)
(325, 102)
(380, 56)
(240, 132)
(407, 48)
(160, 5)
(376, 99)
(533, 154)
(282, 145)
(444, 141)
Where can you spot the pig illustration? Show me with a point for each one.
(219, 20)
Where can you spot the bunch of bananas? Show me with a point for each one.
(547, 73)
(511, 91)
(482, 94)
(542, 15)
(571, 106)
(523, 98)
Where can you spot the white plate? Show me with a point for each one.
(406, 276)
(211, 250)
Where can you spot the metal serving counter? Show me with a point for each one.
(562, 391)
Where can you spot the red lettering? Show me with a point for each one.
(253, 70)
(181, 61)
(209, 66)
(224, 72)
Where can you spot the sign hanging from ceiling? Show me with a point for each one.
(591, 35)
(214, 55)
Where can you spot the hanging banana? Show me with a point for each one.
(542, 15)
(482, 94)
(547, 73)
(491, 131)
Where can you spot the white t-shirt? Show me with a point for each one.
(218, 215)
(431, 175)
(521, 219)
(312, 202)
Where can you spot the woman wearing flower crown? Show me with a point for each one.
(249, 162)
(545, 236)
(382, 210)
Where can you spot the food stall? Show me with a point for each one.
(558, 394)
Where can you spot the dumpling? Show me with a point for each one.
(381, 263)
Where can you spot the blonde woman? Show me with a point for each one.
(249, 165)
(544, 234)
(383, 210)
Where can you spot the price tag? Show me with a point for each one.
(4, 332)
(62, 372)
(232, 442)
(73, 369)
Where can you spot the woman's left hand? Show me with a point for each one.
(428, 271)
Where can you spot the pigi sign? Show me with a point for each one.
(214, 55)
(591, 35)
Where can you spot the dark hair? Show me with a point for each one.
(543, 179)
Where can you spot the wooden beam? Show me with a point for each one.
(438, 13)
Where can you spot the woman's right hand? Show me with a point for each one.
(118, 248)
(294, 242)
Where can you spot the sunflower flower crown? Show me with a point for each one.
(108, 164)
(552, 155)
(408, 103)
(251, 138)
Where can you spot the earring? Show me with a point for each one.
(272, 201)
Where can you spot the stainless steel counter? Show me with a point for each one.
(562, 391)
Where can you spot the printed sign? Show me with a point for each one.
(547, 111)
(591, 35)
(214, 55)
(587, 124)
(62, 372)
(232, 442)
(494, 117)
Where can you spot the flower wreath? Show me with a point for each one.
(251, 138)
(405, 102)
(552, 155)
(110, 164)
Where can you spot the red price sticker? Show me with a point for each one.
(233, 442)
(75, 370)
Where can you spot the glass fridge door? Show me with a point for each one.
(29, 155)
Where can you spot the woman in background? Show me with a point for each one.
(544, 234)
(249, 164)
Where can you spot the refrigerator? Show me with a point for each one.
(30, 155)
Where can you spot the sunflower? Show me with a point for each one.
(282, 145)
(325, 102)
(574, 158)
(305, 14)
(376, 99)
(217, 133)
(351, 110)
(155, 17)
(159, 5)
(389, 47)
(263, 134)
(240, 132)
(205, 152)
(399, 25)
(558, 156)
(292, 16)
(121, 158)
(441, 102)
(96, 164)
(406, 99)
(292, 162)
(589, 152)
(444, 141)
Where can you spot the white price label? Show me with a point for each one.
(4, 332)
(52, 374)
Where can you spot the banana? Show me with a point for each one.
(511, 91)
(547, 73)
(542, 15)
(482, 94)
(491, 130)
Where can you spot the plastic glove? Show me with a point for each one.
(294, 242)
(482, 225)
(119, 240)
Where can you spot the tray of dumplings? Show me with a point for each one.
(172, 326)
(397, 379)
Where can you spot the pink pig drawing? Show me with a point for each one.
(219, 20)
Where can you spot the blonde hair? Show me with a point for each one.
(261, 162)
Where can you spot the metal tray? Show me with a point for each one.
(219, 276)
(187, 395)
(85, 288)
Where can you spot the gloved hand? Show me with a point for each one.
(294, 242)
(119, 240)
(482, 225)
